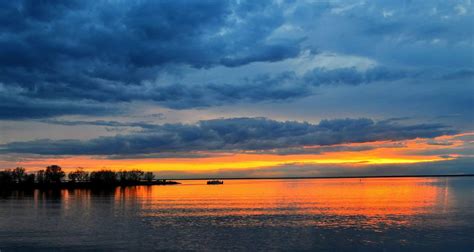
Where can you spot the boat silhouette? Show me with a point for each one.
(215, 182)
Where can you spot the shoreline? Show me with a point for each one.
(95, 186)
(330, 177)
(84, 185)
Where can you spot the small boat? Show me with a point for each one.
(215, 182)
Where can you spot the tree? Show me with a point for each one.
(29, 179)
(149, 176)
(6, 178)
(135, 175)
(103, 178)
(130, 177)
(40, 177)
(78, 176)
(122, 176)
(18, 175)
(54, 174)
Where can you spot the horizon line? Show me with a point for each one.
(331, 177)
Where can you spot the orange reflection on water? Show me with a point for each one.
(376, 200)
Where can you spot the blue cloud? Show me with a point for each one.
(93, 52)
(235, 134)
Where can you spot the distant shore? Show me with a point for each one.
(54, 178)
(85, 185)
(331, 177)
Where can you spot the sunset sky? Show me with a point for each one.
(238, 88)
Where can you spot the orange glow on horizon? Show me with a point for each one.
(380, 152)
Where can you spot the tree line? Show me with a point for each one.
(54, 176)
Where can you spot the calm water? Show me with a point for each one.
(396, 214)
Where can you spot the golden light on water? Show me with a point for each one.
(377, 200)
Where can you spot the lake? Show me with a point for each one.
(372, 214)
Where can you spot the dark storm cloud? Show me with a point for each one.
(277, 87)
(18, 110)
(55, 42)
(235, 134)
(113, 51)
(353, 77)
(13, 106)
(96, 50)
(143, 125)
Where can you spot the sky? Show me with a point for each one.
(239, 88)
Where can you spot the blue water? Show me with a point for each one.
(378, 214)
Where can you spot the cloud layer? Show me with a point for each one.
(98, 53)
(236, 134)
